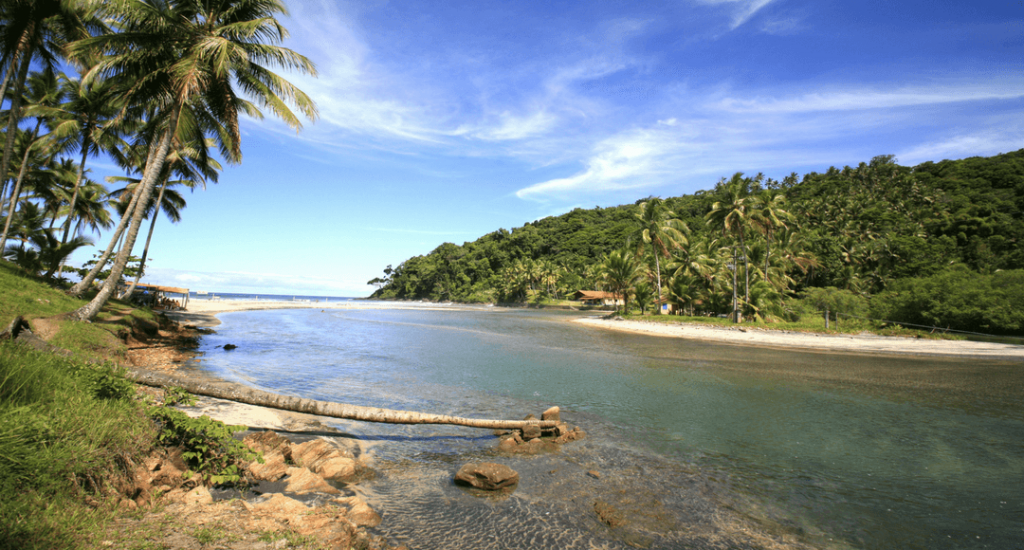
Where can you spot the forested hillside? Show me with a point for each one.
(869, 235)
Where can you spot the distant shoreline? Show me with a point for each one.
(809, 341)
(203, 313)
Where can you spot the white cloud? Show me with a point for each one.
(741, 10)
(255, 283)
(845, 100)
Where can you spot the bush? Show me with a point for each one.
(959, 299)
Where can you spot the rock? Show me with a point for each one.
(594, 474)
(268, 441)
(554, 413)
(301, 480)
(531, 432)
(529, 417)
(359, 512)
(198, 496)
(574, 435)
(280, 505)
(487, 476)
(324, 458)
(229, 347)
(608, 514)
(274, 466)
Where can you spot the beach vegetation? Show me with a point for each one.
(882, 235)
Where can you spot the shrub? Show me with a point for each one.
(959, 299)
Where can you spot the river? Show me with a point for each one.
(696, 445)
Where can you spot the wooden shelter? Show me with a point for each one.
(598, 298)
(156, 296)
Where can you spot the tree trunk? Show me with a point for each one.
(746, 273)
(145, 251)
(17, 186)
(149, 178)
(826, 318)
(74, 193)
(767, 255)
(3, 93)
(15, 113)
(86, 281)
(657, 266)
(737, 317)
(234, 392)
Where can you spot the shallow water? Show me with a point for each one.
(693, 442)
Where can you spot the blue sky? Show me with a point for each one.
(441, 122)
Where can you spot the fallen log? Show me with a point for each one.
(241, 394)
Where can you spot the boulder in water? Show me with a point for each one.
(488, 476)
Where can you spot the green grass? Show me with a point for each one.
(21, 294)
(67, 430)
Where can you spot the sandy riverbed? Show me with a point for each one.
(887, 345)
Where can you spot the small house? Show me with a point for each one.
(598, 298)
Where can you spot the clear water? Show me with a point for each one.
(698, 445)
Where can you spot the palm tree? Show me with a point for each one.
(620, 271)
(87, 116)
(768, 216)
(194, 166)
(189, 55)
(39, 30)
(732, 215)
(659, 230)
(43, 92)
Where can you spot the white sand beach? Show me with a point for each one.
(203, 312)
(872, 344)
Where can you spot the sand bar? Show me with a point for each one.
(846, 343)
(203, 312)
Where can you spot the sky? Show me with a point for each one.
(445, 121)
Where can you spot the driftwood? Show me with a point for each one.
(234, 392)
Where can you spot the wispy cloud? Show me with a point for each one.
(740, 10)
(256, 283)
(845, 100)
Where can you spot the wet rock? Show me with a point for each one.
(269, 441)
(608, 514)
(359, 512)
(573, 435)
(302, 480)
(324, 458)
(229, 347)
(554, 413)
(531, 432)
(488, 476)
(594, 474)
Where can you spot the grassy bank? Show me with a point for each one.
(72, 427)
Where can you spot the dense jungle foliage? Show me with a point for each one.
(885, 234)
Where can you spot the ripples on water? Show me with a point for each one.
(835, 451)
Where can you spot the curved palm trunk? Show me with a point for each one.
(736, 315)
(16, 192)
(746, 273)
(145, 251)
(3, 93)
(90, 310)
(86, 281)
(259, 398)
(74, 193)
(15, 113)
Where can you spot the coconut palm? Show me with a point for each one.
(85, 121)
(43, 91)
(194, 166)
(620, 271)
(768, 217)
(661, 232)
(38, 30)
(732, 216)
(173, 56)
